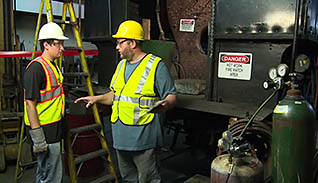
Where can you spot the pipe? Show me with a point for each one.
(109, 19)
(256, 112)
(37, 29)
(209, 93)
(162, 33)
(7, 33)
(12, 41)
(295, 37)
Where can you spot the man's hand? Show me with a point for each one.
(39, 142)
(166, 104)
(89, 100)
(158, 108)
(106, 99)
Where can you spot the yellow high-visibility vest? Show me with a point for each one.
(51, 105)
(133, 98)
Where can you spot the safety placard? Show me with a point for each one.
(235, 65)
(187, 25)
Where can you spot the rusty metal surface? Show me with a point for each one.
(259, 135)
(246, 169)
(191, 54)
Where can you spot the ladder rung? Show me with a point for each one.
(90, 156)
(9, 96)
(85, 74)
(73, 84)
(58, 21)
(72, 48)
(10, 130)
(9, 115)
(106, 178)
(85, 128)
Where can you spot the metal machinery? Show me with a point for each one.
(293, 139)
(245, 39)
(247, 169)
(233, 50)
(239, 165)
(255, 36)
(265, 35)
(224, 50)
(10, 89)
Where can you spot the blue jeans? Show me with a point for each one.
(50, 169)
(139, 166)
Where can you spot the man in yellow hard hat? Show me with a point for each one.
(141, 89)
(44, 104)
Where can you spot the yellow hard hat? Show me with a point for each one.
(51, 31)
(130, 29)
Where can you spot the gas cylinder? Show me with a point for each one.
(293, 139)
(245, 169)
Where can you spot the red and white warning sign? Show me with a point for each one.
(187, 25)
(235, 65)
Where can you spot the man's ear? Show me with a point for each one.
(46, 45)
(133, 43)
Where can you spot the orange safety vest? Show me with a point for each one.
(50, 107)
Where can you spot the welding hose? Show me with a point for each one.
(241, 126)
(236, 126)
(256, 112)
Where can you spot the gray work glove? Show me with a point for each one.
(38, 138)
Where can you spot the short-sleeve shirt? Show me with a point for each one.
(135, 138)
(34, 80)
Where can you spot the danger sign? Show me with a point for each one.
(235, 65)
(187, 25)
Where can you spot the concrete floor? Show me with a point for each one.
(176, 166)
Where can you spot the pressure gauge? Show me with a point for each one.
(282, 70)
(272, 73)
(266, 85)
(302, 63)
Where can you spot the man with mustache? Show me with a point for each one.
(140, 82)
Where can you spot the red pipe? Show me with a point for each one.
(7, 54)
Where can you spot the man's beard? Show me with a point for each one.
(126, 55)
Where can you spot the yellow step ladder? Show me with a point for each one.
(112, 176)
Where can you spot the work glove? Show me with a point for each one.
(38, 138)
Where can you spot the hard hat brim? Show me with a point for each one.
(57, 38)
(115, 36)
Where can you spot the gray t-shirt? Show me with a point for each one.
(135, 138)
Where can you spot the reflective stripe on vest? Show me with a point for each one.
(50, 107)
(52, 94)
(145, 74)
(134, 95)
(135, 100)
(120, 66)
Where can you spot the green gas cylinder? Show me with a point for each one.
(293, 138)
